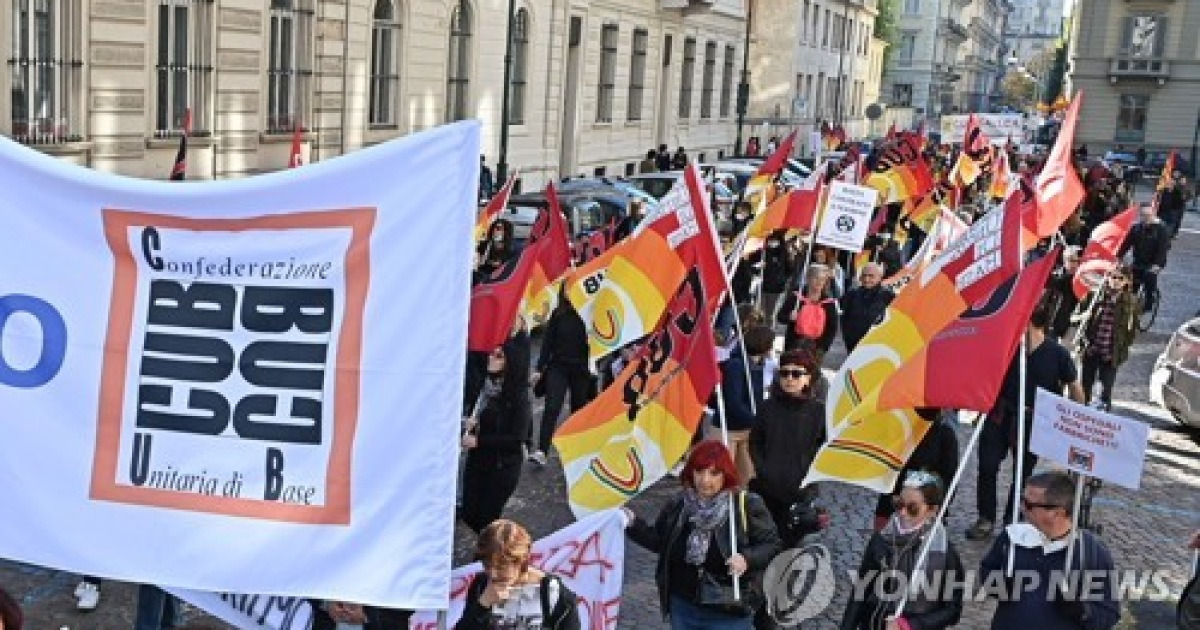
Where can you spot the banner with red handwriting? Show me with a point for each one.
(589, 557)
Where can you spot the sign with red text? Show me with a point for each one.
(1089, 441)
(235, 386)
(589, 557)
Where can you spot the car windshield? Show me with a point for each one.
(658, 187)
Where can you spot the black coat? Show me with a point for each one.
(758, 541)
(880, 556)
(503, 426)
(787, 434)
(778, 263)
(861, 309)
(1149, 242)
(565, 341)
(561, 614)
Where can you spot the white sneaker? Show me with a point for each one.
(538, 458)
(88, 598)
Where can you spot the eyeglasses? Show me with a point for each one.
(801, 373)
(1027, 505)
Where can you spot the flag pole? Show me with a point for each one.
(1080, 482)
(737, 589)
(737, 317)
(1019, 478)
(928, 544)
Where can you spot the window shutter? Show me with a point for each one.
(1161, 30)
(1126, 34)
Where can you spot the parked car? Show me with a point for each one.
(1175, 382)
(584, 214)
(1156, 161)
(795, 166)
(1128, 161)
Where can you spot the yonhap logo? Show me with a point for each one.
(799, 584)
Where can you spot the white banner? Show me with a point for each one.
(252, 612)
(847, 216)
(999, 128)
(237, 386)
(589, 556)
(1089, 441)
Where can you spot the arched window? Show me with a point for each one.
(385, 63)
(183, 65)
(289, 64)
(458, 70)
(520, 58)
(45, 70)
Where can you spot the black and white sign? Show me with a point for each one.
(847, 216)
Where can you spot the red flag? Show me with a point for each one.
(494, 206)
(939, 377)
(1058, 190)
(296, 157)
(179, 170)
(495, 301)
(595, 244)
(1100, 255)
(704, 252)
(776, 161)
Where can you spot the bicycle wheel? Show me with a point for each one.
(1147, 317)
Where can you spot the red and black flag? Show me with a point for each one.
(179, 171)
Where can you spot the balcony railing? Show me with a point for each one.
(1127, 66)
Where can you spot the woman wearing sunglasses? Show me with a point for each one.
(788, 431)
(893, 553)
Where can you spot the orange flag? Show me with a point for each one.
(494, 206)
(1058, 190)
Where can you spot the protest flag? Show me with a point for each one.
(1058, 190)
(494, 207)
(1100, 255)
(638, 428)
(296, 156)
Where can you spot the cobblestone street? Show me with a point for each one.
(1145, 530)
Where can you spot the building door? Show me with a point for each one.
(568, 158)
(663, 127)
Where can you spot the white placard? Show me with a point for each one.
(847, 216)
(999, 128)
(1089, 441)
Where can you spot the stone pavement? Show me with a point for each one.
(1146, 529)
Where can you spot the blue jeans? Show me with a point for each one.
(688, 616)
(156, 610)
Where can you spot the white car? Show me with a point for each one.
(1175, 382)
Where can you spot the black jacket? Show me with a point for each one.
(561, 614)
(758, 541)
(778, 263)
(861, 308)
(503, 426)
(1149, 242)
(784, 442)
(565, 341)
(881, 555)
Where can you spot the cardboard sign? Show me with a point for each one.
(1089, 441)
(847, 216)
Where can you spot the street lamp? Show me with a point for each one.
(743, 93)
(502, 164)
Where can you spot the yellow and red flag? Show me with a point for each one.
(974, 157)
(497, 300)
(1168, 172)
(793, 210)
(938, 377)
(1001, 176)
(638, 428)
(973, 266)
(494, 207)
(621, 294)
(1058, 189)
(552, 261)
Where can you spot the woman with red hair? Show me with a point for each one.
(697, 561)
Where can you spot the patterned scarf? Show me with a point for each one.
(1106, 311)
(705, 516)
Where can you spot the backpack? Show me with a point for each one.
(810, 320)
